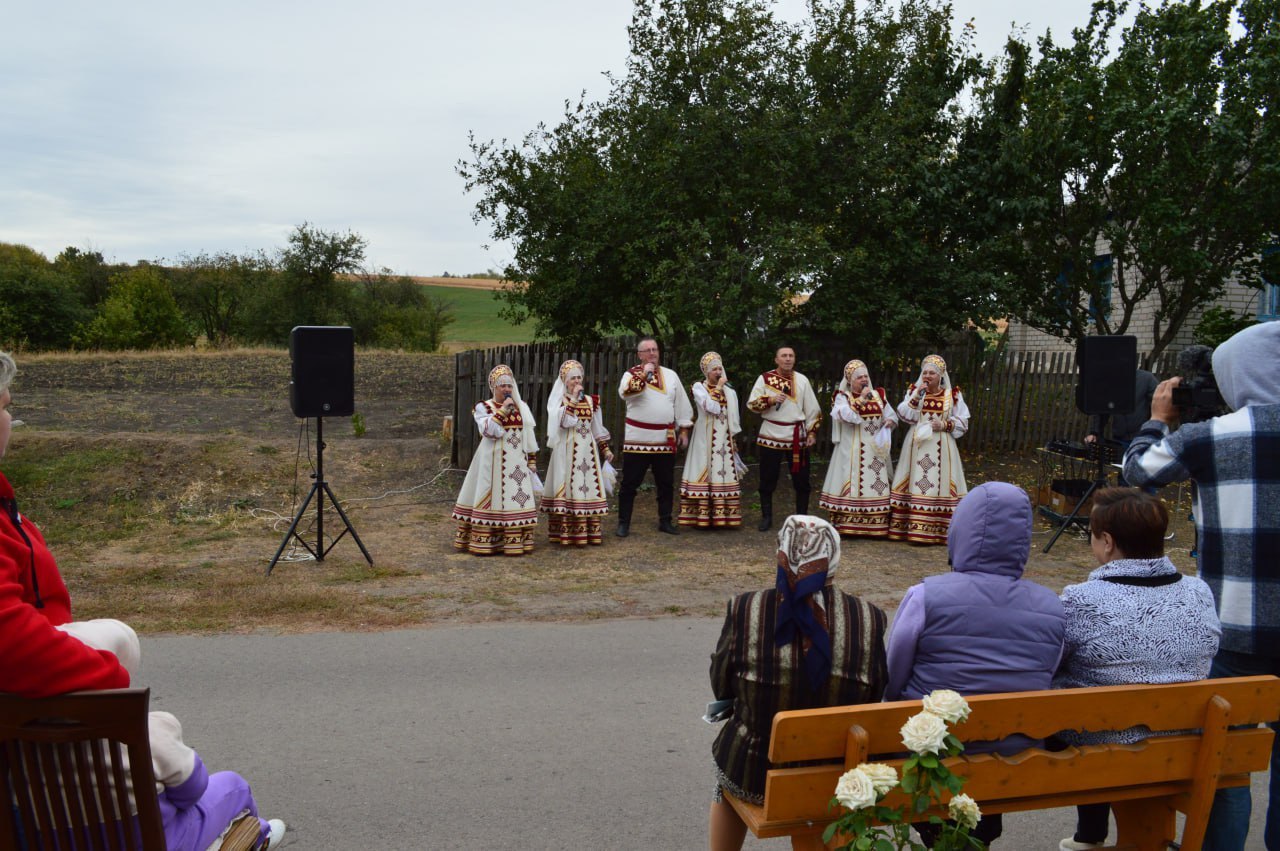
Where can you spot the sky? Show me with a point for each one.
(151, 130)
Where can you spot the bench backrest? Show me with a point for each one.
(842, 737)
(61, 766)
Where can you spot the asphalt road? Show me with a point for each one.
(536, 736)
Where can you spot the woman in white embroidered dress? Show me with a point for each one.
(711, 489)
(856, 490)
(574, 499)
(929, 480)
(495, 508)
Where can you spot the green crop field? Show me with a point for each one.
(476, 320)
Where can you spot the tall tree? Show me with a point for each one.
(1163, 155)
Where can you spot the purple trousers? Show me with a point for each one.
(193, 826)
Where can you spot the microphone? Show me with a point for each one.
(582, 394)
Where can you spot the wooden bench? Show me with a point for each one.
(61, 765)
(1146, 783)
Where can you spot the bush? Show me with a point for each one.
(139, 313)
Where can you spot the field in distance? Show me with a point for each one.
(475, 305)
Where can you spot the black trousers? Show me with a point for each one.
(634, 466)
(770, 462)
(1093, 822)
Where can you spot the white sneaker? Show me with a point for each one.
(1070, 844)
(277, 833)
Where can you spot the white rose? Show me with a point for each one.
(856, 790)
(947, 705)
(924, 733)
(883, 777)
(964, 811)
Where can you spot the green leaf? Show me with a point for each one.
(929, 760)
(830, 832)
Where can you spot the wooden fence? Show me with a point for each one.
(1017, 401)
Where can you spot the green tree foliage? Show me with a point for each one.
(40, 307)
(1164, 155)
(214, 291)
(140, 312)
(89, 272)
(738, 164)
(392, 311)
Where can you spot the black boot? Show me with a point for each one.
(802, 504)
(665, 525)
(624, 528)
(766, 513)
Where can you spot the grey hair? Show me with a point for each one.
(8, 369)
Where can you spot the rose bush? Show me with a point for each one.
(855, 789)
(925, 733)
(947, 705)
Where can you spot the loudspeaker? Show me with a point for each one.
(1108, 371)
(322, 376)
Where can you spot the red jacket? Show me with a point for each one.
(37, 660)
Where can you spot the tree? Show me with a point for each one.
(41, 307)
(1165, 156)
(213, 291)
(139, 313)
(738, 166)
(90, 273)
(393, 312)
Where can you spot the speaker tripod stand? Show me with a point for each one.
(319, 488)
(1101, 454)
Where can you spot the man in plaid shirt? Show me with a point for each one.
(1234, 461)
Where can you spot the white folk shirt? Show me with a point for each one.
(661, 404)
(798, 407)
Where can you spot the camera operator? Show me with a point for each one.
(1234, 461)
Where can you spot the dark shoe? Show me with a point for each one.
(766, 523)
(668, 527)
(623, 530)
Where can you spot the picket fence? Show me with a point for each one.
(1017, 400)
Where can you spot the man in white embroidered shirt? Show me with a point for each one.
(790, 418)
(659, 417)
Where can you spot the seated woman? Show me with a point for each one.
(981, 628)
(1136, 620)
(798, 645)
(196, 807)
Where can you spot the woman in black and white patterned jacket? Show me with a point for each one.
(1136, 620)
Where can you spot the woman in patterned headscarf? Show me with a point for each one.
(929, 480)
(495, 509)
(856, 490)
(711, 489)
(575, 496)
(799, 645)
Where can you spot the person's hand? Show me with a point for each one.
(648, 368)
(1090, 438)
(891, 424)
(1162, 407)
(938, 425)
(608, 455)
(867, 393)
(921, 390)
(720, 383)
(683, 439)
(811, 439)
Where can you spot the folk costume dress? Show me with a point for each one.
(929, 480)
(711, 490)
(784, 430)
(574, 499)
(860, 476)
(495, 510)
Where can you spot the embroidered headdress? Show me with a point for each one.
(710, 361)
(808, 553)
(555, 431)
(940, 365)
(501, 374)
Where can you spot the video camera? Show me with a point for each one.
(1197, 396)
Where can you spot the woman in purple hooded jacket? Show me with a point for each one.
(981, 628)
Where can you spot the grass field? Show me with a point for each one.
(476, 319)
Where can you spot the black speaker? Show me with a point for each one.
(322, 375)
(1108, 371)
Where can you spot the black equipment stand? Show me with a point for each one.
(1100, 455)
(318, 489)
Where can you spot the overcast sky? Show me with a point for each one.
(147, 130)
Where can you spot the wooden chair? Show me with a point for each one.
(77, 769)
(1147, 784)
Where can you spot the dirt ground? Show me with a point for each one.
(199, 465)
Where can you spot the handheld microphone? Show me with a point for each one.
(582, 394)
